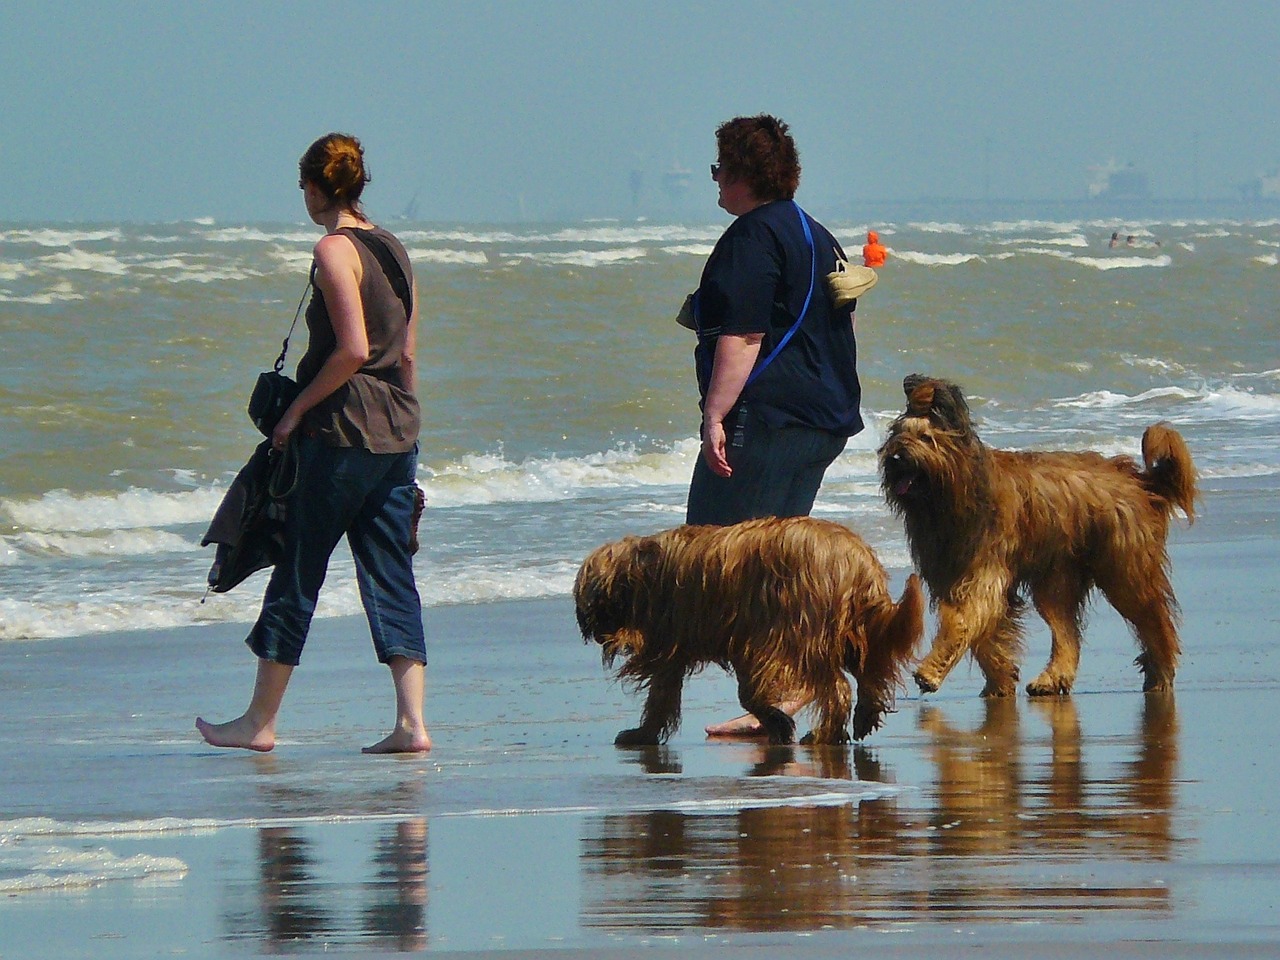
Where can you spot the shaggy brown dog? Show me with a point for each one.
(787, 605)
(989, 527)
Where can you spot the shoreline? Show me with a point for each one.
(1107, 820)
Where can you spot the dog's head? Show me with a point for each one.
(920, 453)
(609, 594)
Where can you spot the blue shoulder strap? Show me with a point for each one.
(813, 277)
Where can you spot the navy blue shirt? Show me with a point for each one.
(756, 281)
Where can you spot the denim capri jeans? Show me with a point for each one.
(370, 498)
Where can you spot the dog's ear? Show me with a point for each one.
(943, 400)
(952, 408)
(911, 381)
(920, 391)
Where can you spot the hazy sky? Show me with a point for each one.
(490, 111)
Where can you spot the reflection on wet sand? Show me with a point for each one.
(1007, 825)
(300, 901)
(297, 902)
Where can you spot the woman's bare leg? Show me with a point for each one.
(410, 732)
(255, 729)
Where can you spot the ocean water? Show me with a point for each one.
(557, 390)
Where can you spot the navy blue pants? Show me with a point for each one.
(370, 498)
(776, 473)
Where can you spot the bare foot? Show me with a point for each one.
(748, 726)
(400, 740)
(744, 726)
(237, 733)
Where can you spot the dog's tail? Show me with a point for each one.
(892, 635)
(1169, 474)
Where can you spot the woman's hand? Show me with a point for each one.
(714, 448)
(735, 357)
(284, 429)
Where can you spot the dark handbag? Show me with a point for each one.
(271, 397)
(273, 391)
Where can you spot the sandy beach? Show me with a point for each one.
(1142, 825)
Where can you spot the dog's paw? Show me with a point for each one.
(1003, 689)
(636, 737)
(1049, 685)
(866, 720)
(810, 739)
(926, 684)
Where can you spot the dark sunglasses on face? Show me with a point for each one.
(715, 171)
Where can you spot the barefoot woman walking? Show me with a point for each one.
(355, 424)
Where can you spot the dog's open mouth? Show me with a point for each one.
(901, 474)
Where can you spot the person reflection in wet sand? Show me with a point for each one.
(291, 910)
(1011, 791)
(397, 914)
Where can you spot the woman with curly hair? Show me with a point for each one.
(776, 362)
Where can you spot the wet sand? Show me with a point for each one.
(1107, 821)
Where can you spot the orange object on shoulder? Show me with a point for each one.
(873, 252)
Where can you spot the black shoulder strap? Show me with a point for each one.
(390, 266)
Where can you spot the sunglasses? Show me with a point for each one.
(715, 171)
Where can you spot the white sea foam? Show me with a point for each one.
(1124, 263)
(1072, 240)
(642, 233)
(1239, 470)
(1033, 226)
(1156, 363)
(1269, 259)
(259, 235)
(25, 868)
(612, 235)
(491, 478)
(82, 260)
(1232, 403)
(115, 543)
(1047, 252)
(61, 292)
(54, 237)
(1225, 402)
(434, 255)
(690, 249)
(583, 258)
(1101, 399)
(64, 512)
(935, 259)
(931, 227)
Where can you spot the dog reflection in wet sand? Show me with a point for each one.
(788, 605)
(990, 528)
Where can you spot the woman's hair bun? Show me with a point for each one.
(335, 163)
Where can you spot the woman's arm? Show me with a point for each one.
(338, 276)
(408, 372)
(735, 357)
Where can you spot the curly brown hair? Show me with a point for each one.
(335, 164)
(760, 151)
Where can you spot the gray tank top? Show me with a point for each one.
(371, 410)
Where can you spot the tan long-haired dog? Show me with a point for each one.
(788, 605)
(988, 528)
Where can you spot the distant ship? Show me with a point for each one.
(1263, 187)
(675, 182)
(1111, 181)
(410, 211)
